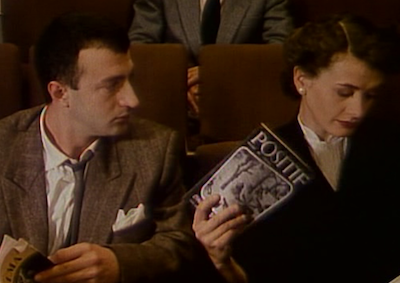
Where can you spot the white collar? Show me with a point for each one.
(53, 157)
(313, 139)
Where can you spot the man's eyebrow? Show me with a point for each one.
(116, 78)
(112, 79)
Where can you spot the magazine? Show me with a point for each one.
(20, 261)
(260, 175)
(396, 280)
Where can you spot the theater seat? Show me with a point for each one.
(10, 79)
(160, 83)
(160, 72)
(240, 88)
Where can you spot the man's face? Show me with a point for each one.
(102, 103)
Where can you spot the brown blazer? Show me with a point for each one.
(125, 171)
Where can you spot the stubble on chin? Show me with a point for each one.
(120, 129)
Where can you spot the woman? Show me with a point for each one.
(337, 66)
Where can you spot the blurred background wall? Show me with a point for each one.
(1, 23)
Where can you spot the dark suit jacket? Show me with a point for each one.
(141, 167)
(371, 202)
(298, 242)
(322, 236)
(178, 21)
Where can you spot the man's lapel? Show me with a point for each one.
(232, 15)
(189, 11)
(24, 189)
(105, 192)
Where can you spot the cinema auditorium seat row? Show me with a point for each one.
(231, 104)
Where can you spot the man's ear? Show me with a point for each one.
(299, 80)
(58, 92)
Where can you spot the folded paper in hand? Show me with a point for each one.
(20, 261)
(132, 217)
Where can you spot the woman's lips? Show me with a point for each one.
(348, 124)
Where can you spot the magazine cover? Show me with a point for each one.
(19, 261)
(260, 175)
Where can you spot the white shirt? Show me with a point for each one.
(59, 189)
(327, 154)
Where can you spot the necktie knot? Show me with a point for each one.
(81, 164)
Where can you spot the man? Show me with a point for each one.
(131, 227)
(180, 21)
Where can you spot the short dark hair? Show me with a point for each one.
(57, 49)
(313, 46)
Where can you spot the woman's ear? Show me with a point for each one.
(299, 77)
(58, 93)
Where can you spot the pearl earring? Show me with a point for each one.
(301, 90)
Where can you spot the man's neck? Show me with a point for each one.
(63, 135)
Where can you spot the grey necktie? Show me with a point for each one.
(79, 189)
(210, 21)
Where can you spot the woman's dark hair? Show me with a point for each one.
(57, 49)
(313, 46)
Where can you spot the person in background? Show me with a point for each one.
(82, 179)
(187, 22)
(337, 67)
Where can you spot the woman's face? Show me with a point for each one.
(334, 102)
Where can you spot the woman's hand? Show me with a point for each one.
(216, 233)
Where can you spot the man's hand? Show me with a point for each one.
(82, 262)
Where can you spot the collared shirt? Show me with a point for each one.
(203, 3)
(59, 188)
(327, 154)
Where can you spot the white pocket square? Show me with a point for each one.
(132, 217)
